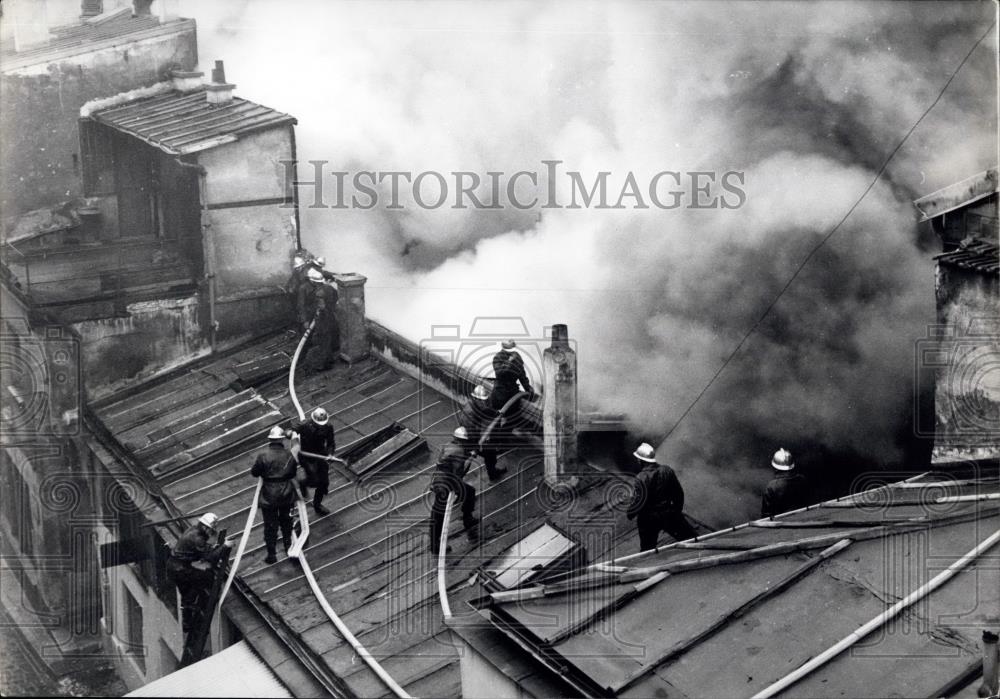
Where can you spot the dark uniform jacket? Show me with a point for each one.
(657, 491)
(452, 465)
(313, 297)
(316, 439)
(475, 417)
(785, 492)
(193, 545)
(276, 466)
(508, 368)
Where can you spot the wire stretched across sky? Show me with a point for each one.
(829, 234)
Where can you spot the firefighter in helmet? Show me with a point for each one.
(788, 489)
(277, 467)
(657, 501)
(192, 565)
(453, 463)
(316, 436)
(476, 417)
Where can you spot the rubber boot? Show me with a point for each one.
(472, 528)
(272, 556)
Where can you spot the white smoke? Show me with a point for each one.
(806, 98)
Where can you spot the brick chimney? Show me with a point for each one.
(559, 407)
(219, 91)
(351, 316)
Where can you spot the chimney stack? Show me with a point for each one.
(351, 316)
(219, 91)
(186, 80)
(991, 666)
(559, 407)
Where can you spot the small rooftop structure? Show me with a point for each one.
(187, 122)
(119, 28)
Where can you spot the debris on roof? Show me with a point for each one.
(185, 122)
(34, 224)
(955, 196)
(194, 432)
(974, 254)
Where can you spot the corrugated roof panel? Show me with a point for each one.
(975, 254)
(179, 122)
(233, 672)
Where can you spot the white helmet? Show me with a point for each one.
(276, 433)
(644, 452)
(508, 344)
(314, 275)
(461, 434)
(208, 519)
(298, 262)
(783, 460)
(481, 392)
(321, 261)
(320, 416)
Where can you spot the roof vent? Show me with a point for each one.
(219, 91)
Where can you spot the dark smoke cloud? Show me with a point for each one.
(807, 98)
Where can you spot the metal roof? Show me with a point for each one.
(246, 675)
(195, 432)
(957, 195)
(90, 36)
(734, 611)
(974, 254)
(185, 122)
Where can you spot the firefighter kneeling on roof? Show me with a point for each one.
(452, 465)
(191, 566)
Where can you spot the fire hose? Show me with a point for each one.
(298, 542)
(443, 543)
(442, 554)
(248, 527)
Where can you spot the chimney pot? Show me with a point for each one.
(219, 73)
(560, 336)
(219, 91)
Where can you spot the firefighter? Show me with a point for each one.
(787, 490)
(508, 368)
(657, 502)
(316, 437)
(318, 301)
(191, 566)
(476, 416)
(452, 465)
(277, 467)
(298, 278)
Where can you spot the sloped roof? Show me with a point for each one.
(973, 254)
(90, 36)
(195, 433)
(246, 675)
(185, 122)
(957, 195)
(738, 619)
